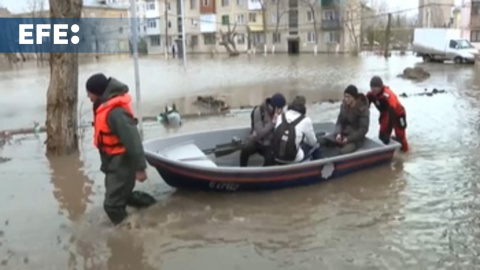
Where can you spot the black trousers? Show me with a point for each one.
(252, 148)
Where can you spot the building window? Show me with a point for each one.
(209, 39)
(330, 15)
(225, 20)
(276, 38)
(475, 36)
(151, 6)
(475, 8)
(169, 24)
(240, 39)
(169, 7)
(240, 2)
(205, 3)
(453, 44)
(225, 3)
(252, 17)
(240, 19)
(332, 37)
(311, 37)
(258, 38)
(194, 22)
(155, 41)
(194, 40)
(152, 23)
(274, 18)
(193, 4)
(309, 16)
(293, 19)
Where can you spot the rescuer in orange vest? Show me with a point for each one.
(118, 141)
(392, 113)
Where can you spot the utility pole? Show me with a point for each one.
(387, 35)
(166, 29)
(134, 29)
(184, 42)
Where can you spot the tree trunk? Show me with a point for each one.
(62, 94)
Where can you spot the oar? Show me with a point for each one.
(225, 149)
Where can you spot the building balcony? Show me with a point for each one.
(255, 26)
(331, 24)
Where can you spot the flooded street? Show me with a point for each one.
(422, 212)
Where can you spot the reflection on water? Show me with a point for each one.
(419, 213)
(71, 187)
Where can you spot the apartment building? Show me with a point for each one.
(125, 4)
(475, 23)
(435, 13)
(276, 25)
(470, 21)
(161, 25)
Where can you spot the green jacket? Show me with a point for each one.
(122, 125)
(354, 122)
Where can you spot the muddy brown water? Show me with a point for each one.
(421, 212)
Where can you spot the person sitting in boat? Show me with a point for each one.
(294, 139)
(352, 122)
(263, 119)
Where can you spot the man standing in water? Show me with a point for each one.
(119, 144)
(392, 112)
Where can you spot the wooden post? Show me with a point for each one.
(387, 35)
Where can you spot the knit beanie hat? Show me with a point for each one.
(376, 82)
(97, 84)
(278, 101)
(351, 90)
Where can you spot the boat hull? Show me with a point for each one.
(178, 176)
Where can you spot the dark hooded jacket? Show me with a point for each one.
(262, 123)
(124, 126)
(354, 122)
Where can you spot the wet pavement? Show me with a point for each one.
(418, 213)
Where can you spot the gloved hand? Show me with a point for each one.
(384, 138)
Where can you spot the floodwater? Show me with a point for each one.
(418, 213)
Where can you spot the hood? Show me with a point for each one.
(114, 88)
(298, 108)
(267, 107)
(361, 103)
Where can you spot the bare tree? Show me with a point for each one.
(352, 20)
(227, 40)
(312, 6)
(62, 94)
(281, 9)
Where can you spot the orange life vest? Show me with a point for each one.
(387, 99)
(103, 138)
